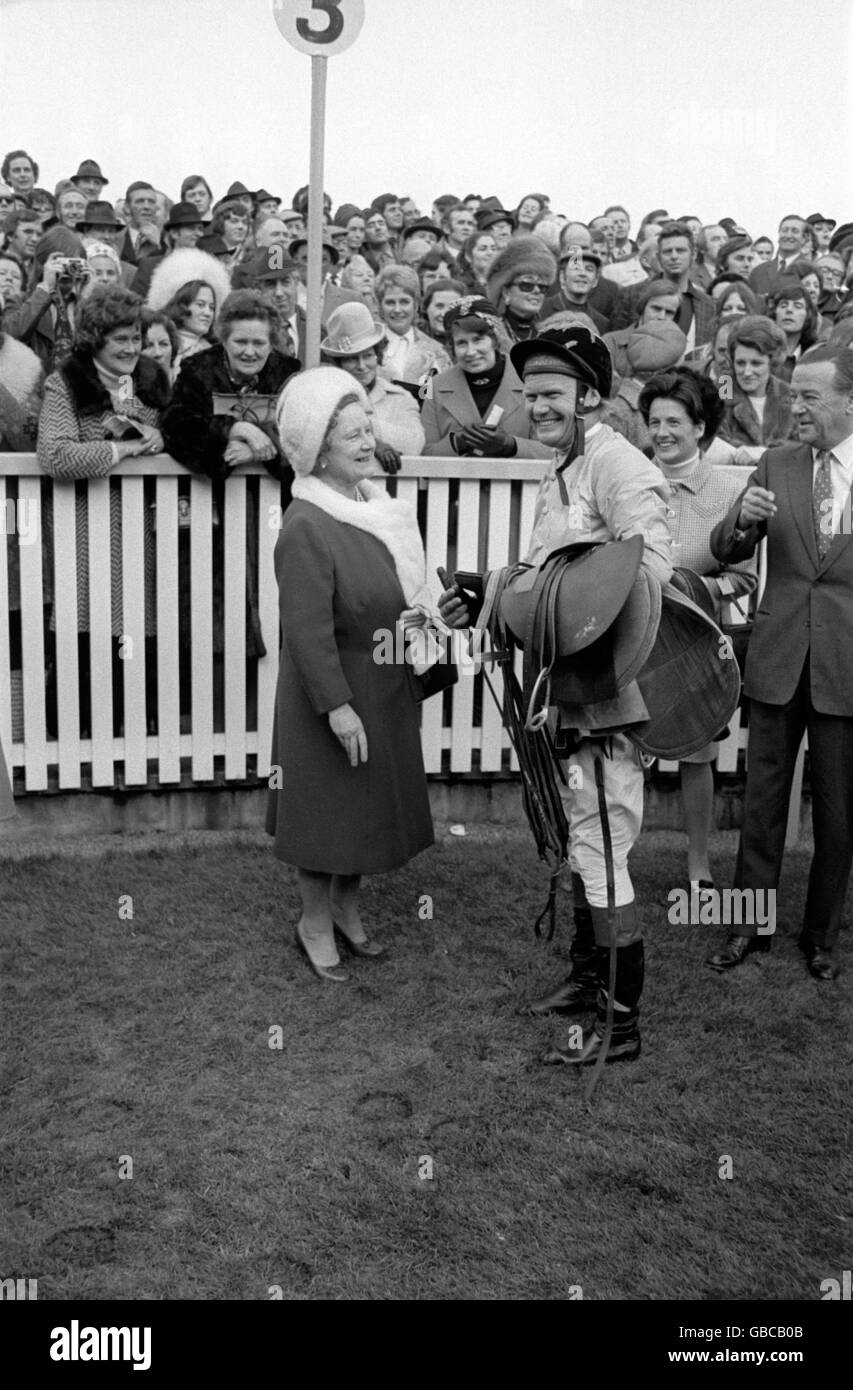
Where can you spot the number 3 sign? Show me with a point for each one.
(319, 27)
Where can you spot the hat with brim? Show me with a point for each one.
(817, 219)
(490, 217)
(238, 190)
(291, 215)
(581, 253)
(89, 169)
(262, 196)
(101, 215)
(327, 244)
(351, 329)
(690, 682)
(418, 228)
(270, 264)
(571, 351)
(594, 584)
(841, 237)
(183, 215)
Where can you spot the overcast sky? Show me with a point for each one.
(736, 107)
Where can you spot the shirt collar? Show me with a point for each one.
(843, 452)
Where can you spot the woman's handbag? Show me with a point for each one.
(436, 680)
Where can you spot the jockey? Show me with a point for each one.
(598, 488)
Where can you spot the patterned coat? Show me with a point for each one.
(72, 447)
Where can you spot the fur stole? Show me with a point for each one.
(392, 522)
(90, 396)
(20, 369)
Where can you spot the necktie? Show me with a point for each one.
(822, 504)
(288, 346)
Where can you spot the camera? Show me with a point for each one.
(73, 267)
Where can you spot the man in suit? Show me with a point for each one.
(183, 228)
(791, 239)
(142, 237)
(695, 316)
(273, 272)
(799, 673)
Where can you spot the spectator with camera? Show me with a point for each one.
(46, 319)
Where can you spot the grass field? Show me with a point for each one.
(303, 1167)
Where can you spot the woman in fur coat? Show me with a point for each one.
(350, 794)
(190, 286)
(91, 421)
(520, 277)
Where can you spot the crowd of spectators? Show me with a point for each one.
(146, 325)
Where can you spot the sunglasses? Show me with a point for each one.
(531, 286)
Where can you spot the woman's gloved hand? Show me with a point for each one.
(387, 456)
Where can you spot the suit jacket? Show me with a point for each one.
(703, 314)
(741, 424)
(141, 281)
(764, 277)
(131, 256)
(807, 606)
(450, 407)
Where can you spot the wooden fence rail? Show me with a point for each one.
(479, 513)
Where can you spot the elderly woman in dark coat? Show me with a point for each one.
(351, 797)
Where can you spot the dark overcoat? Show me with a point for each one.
(337, 588)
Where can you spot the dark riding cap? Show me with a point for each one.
(572, 352)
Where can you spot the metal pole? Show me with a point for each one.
(315, 211)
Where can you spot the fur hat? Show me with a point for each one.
(179, 268)
(304, 409)
(524, 255)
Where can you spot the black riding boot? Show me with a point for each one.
(576, 994)
(625, 1038)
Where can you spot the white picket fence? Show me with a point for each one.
(491, 507)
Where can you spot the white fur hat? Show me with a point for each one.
(179, 268)
(304, 409)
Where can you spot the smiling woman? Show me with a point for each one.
(90, 422)
(222, 415)
(190, 286)
(351, 795)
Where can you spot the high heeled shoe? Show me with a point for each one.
(369, 949)
(335, 973)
